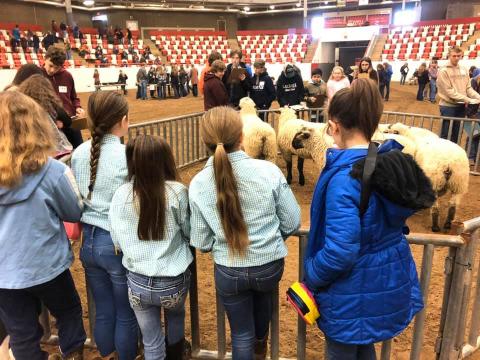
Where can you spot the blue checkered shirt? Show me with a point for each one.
(111, 174)
(269, 207)
(169, 256)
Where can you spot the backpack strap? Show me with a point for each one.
(368, 169)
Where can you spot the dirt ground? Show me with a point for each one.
(403, 100)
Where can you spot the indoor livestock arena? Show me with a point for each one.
(283, 179)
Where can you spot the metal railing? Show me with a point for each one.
(183, 135)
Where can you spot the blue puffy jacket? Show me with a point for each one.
(361, 270)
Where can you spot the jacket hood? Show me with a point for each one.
(475, 73)
(209, 76)
(402, 185)
(25, 189)
(58, 73)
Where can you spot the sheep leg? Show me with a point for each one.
(452, 208)
(301, 177)
(435, 215)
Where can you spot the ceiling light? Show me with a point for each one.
(325, 2)
(298, 4)
(88, 2)
(272, 7)
(246, 8)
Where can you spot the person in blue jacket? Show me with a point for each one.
(359, 267)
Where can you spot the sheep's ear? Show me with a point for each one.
(396, 132)
(389, 126)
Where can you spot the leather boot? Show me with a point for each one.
(261, 348)
(74, 355)
(176, 351)
(112, 356)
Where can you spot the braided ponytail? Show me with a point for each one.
(105, 109)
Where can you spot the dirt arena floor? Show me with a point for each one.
(402, 99)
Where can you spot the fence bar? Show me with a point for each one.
(386, 350)
(194, 312)
(455, 301)
(275, 327)
(425, 276)
(435, 239)
(221, 330)
(475, 318)
(301, 326)
(470, 225)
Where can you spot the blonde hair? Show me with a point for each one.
(221, 131)
(335, 69)
(26, 137)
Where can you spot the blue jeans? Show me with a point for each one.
(247, 294)
(451, 111)
(115, 324)
(19, 310)
(143, 89)
(339, 351)
(421, 88)
(433, 89)
(147, 296)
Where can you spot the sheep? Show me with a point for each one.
(409, 146)
(288, 127)
(414, 133)
(259, 139)
(446, 165)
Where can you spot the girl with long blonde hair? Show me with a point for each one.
(337, 81)
(242, 211)
(37, 193)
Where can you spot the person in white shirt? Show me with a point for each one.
(337, 81)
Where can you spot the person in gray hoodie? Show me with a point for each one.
(37, 193)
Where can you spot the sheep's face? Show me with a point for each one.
(300, 137)
(397, 129)
(246, 103)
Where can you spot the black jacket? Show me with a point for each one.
(382, 77)
(236, 89)
(290, 91)
(262, 91)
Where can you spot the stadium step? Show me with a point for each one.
(312, 48)
(378, 47)
(471, 40)
(233, 44)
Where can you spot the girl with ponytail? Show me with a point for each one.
(100, 168)
(242, 210)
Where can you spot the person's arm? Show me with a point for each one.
(471, 93)
(182, 213)
(330, 90)
(201, 236)
(270, 90)
(281, 92)
(342, 235)
(446, 87)
(300, 90)
(66, 200)
(75, 100)
(246, 83)
(63, 117)
(287, 208)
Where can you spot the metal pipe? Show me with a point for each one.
(426, 274)
(194, 313)
(275, 328)
(475, 318)
(221, 332)
(386, 350)
(435, 239)
(301, 326)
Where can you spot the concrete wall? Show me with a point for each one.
(437, 9)
(271, 21)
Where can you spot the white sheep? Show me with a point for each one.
(409, 145)
(259, 139)
(288, 127)
(412, 132)
(446, 165)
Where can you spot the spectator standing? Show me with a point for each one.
(194, 80)
(316, 94)
(161, 82)
(142, 80)
(63, 30)
(76, 31)
(366, 70)
(455, 91)
(422, 78)
(48, 41)
(381, 79)
(337, 81)
(96, 79)
(175, 81)
(54, 28)
(214, 91)
(432, 75)
(68, 49)
(262, 91)
(152, 81)
(36, 43)
(290, 89)
(237, 78)
(403, 73)
(16, 35)
(129, 36)
(388, 79)
(122, 79)
(182, 81)
(214, 55)
(23, 43)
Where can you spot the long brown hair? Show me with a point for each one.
(26, 137)
(105, 110)
(41, 90)
(150, 163)
(221, 131)
(360, 106)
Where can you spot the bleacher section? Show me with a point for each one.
(357, 20)
(425, 42)
(10, 59)
(274, 46)
(190, 47)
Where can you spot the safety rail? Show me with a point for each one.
(183, 135)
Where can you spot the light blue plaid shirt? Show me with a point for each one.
(269, 207)
(111, 174)
(169, 256)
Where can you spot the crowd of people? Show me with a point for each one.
(139, 221)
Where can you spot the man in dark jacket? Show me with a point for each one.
(236, 78)
(290, 89)
(214, 91)
(262, 91)
(48, 40)
(403, 71)
(64, 85)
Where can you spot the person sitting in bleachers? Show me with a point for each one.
(24, 43)
(48, 40)
(16, 34)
